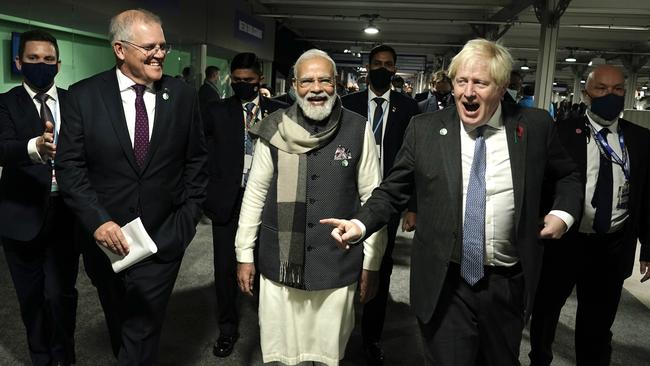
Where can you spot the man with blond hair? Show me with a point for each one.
(132, 147)
(476, 254)
(314, 158)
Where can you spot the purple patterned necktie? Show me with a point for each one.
(141, 138)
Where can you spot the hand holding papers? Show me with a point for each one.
(140, 246)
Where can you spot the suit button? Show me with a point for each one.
(314, 177)
(311, 200)
(309, 248)
(310, 225)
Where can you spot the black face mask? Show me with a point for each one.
(39, 75)
(608, 106)
(245, 91)
(380, 78)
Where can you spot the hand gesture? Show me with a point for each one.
(344, 232)
(45, 143)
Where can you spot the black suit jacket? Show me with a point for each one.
(421, 96)
(574, 134)
(402, 109)
(430, 162)
(98, 174)
(224, 128)
(207, 94)
(24, 186)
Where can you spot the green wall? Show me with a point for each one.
(81, 56)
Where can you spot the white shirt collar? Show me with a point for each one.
(51, 92)
(256, 101)
(495, 121)
(612, 128)
(125, 83)
(372, 95)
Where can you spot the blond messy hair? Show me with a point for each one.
(496, 56)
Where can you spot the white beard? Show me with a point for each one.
(316, 112)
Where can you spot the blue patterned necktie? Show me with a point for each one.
(378, 119)
(602, 199)
(471, 264)
(141, 135)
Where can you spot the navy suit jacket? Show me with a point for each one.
(224, 128)
(430, 163)
(100, 179)
(24, 185)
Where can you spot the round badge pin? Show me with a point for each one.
(165, 96)
(344, 163)
(578, 131)
(443, 131)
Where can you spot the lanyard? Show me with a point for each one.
(383, 111)
(606, 149)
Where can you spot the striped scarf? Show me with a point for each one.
(284, 130)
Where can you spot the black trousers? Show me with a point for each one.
(44, 273)
(374, 312)
(587, 262)
(479, 325)
(134, 303)
(225, 271)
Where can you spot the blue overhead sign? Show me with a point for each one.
(248, 28)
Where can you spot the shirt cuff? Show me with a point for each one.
(363, 230)
(564, 216)
(32, 151)
(244, 255)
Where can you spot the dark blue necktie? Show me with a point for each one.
(378, 119)
(141, 135)
(471, 264)
(602, 199)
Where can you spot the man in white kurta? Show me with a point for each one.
(310, 160)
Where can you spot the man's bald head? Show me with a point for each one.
(605, 79)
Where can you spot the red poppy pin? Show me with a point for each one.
(578, 131)
(520, 133)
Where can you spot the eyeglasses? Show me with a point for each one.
(150, 49)
(306, 83)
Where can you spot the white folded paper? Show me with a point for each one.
(140, 246)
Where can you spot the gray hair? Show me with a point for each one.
(313, 53)
(121, 26)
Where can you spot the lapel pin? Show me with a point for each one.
(443, 131)
(578, 131)
(393, 109)
(344, 163)
(165, 96)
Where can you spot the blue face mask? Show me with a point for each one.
(39, 75)
(608, 107)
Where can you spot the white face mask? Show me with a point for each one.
(513, 93)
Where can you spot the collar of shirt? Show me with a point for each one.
(52, 93)
(372, 95)
(613, 128)
(256, 101)
(495, 122)
(125, 83)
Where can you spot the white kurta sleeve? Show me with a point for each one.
(368, 178)
(250, 215)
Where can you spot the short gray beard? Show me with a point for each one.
(316, 113)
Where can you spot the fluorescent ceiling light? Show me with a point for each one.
(371, 28)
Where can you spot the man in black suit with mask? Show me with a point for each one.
(132, 146)
(597, 255)
(389, 112)
(230, 150)
(35, 224)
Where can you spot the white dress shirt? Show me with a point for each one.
(372, 105)
(127, 94)
(593, 166)
(53, 103)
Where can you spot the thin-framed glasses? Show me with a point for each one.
(150, 49)
(308, 82)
